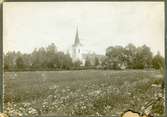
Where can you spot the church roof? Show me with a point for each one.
(77, 41)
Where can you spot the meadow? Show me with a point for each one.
(83, 92)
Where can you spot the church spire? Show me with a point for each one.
(77, 41)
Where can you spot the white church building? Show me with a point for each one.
(77, 50)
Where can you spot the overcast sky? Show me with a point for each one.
(101, 24)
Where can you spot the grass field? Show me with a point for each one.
(85, 92)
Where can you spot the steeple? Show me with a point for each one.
(77, 42)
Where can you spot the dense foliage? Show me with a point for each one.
(40, 59)
(117, 57)
(132, 57)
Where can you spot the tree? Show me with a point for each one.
(35, 59)
(10, 60)
(87, 61)
(51, 55)
(115, 57)
(96, 61)
(129, 57)
(77, 63)
(158, 61)
(143, 58)
(51, 48)
(130, 53)
(27, 61)
(147, 56)
(19, 63)
(42, 57)
(67, 61)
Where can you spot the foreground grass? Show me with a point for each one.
(87, 92)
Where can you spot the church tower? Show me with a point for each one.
(77, 41)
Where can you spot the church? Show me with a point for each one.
(77, 49)
(78, 52)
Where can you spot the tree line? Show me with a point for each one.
(132, 57)
(40, 59)
(116, 57)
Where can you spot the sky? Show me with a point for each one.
(29, 25)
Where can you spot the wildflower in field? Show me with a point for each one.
(55, 97)
(26, 104)
(53, 87)
(98, 114)
(32, 111)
